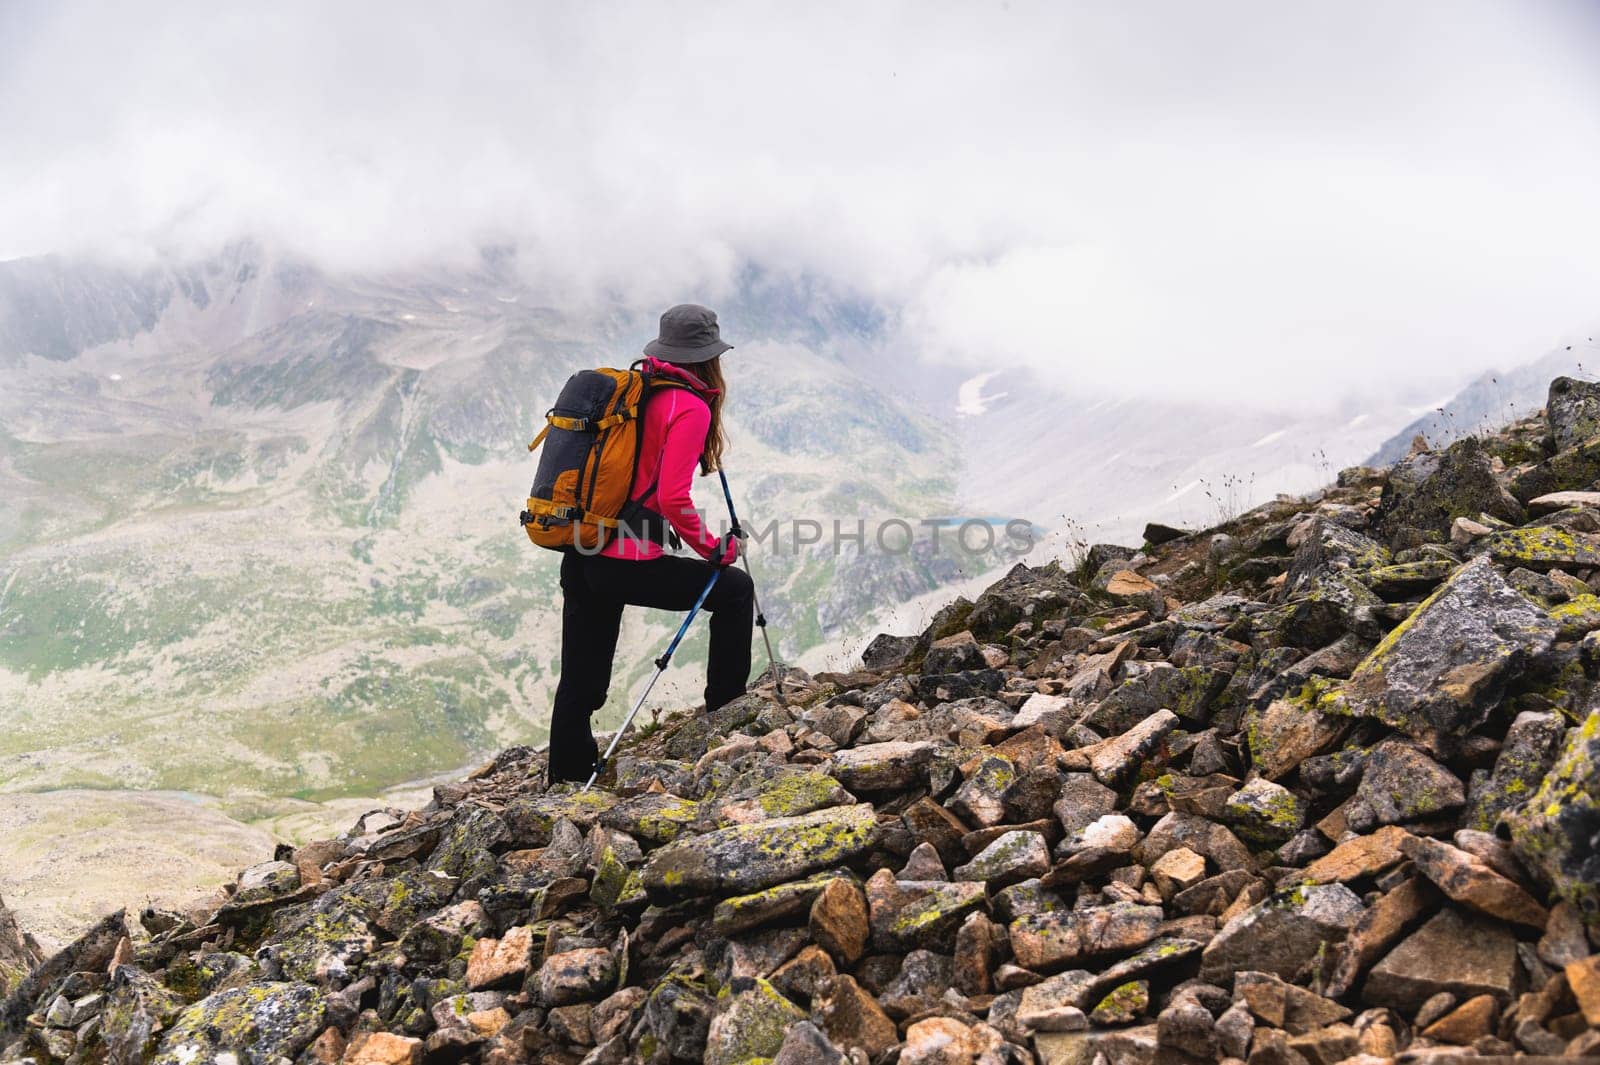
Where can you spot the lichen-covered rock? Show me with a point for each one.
(137, 1009)
(1186, 691)
(747, 858)
(876, 767)
(1575, 468)
(1540, 547)
(1050, 940)
(258, 1024)
(266, 881)
(1012, 857)
(906, 915)
(750, 1025)
(324, 948)
(1281, 934)
(1328, 547)
(981, 797)
(1265, 813)
(655, 817)
(1288, 731)
(1531, 747)
(1401, 784)
(1444, 667)
(1124, 1004)
(1426, 492)
(532, 819)
(1557, 833)
(739, 913)
(1572, 409)
(775, 791)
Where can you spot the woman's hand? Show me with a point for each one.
(727, 551)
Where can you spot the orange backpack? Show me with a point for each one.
(581, 494)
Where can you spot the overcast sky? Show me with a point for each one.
(1224, 198)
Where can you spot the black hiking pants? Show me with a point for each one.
(594, 590)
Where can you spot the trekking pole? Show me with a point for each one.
(761, 618)
(661, 667)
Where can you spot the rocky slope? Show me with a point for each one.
(1320, 785)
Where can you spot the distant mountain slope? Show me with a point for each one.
(274, 508)
(1495, 399)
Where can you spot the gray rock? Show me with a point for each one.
(1012, 857)
(1531, 746)
(1557, 834)
(1426, 492)
(1281, 934)
(1187, 692)
(887, 652)
(1206, 838)
(1265, 813)
(1049, 940)
(875, 767)
(954, 654)
(1445, 667)
(919, 986)
(259, 1024)
(1400, 784)
(804, 1043)
(1329, 547)
(980, 799)
(1082, 801)
(746, 858)
(677, 1015)
(1573, 411)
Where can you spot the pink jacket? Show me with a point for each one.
(676, 422)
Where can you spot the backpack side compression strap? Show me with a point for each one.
(545, 508)
(583, 425)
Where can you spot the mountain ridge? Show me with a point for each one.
(1316, 783)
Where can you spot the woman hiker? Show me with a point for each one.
(682, 429)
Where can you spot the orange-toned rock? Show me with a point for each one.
(1359, 857)
(383, 1048)
(839, 921)
(496, 960)
(1468, 1022)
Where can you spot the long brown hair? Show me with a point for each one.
(710, 372)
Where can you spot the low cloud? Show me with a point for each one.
(1237, 199)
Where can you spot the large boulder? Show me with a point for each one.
(1557, 833)
(747, 858)
(256, 1024)
(1444, 668)
(1428, 491)
(1573, 411)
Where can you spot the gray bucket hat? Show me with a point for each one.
(689, 334)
